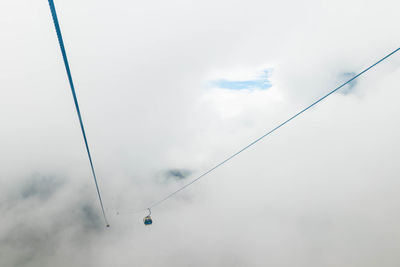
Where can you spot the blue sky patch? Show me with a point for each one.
(262, 82)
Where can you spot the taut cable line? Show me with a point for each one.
(71, 84)
(270, 132)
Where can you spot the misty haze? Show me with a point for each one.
(169, 89)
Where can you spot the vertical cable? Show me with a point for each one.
(64, 55)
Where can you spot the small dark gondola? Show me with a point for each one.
(147, 220)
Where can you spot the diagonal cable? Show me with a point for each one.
(271, 131)
(67, 68)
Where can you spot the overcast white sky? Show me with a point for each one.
(322, 191)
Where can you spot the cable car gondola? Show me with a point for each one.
(147, 220)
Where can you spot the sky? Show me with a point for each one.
(167, 90)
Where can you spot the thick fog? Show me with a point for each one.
(320, 191)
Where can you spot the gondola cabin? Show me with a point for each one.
(147, 220)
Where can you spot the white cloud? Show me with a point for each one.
(320, 192)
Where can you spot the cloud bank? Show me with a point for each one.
(323, 191)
